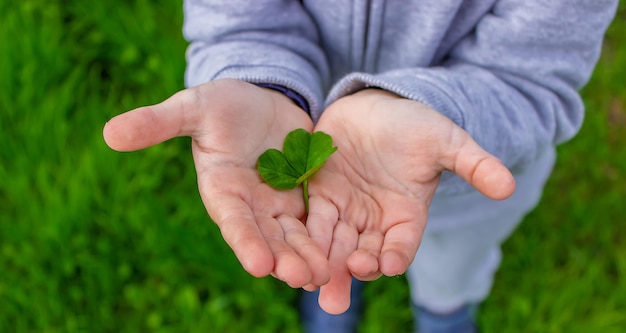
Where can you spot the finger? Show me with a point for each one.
(310, 287)
(400, 246)
(297, 237)
(321, 221)
(363, 263)
(289, 266)
(239, 229)
(335, 295)
(150, 125)
(364, 266)
(482, 170)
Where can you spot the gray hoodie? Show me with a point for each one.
(507, 71)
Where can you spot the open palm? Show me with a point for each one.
(369, 203)
(231, 123)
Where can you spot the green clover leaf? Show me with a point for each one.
(303, 155)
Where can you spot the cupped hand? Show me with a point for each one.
(231, 123)
(369, 204)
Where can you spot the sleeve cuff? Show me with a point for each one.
(294, 96)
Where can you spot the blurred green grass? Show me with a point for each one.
(97, 241)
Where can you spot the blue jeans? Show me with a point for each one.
(315, 320)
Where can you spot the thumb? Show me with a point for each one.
(480, 169)
(150, 125)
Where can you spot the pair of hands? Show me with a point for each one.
(368, 204)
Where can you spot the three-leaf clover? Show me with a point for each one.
(303, 154)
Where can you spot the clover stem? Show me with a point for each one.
(305, 195)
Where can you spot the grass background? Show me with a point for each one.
(97, 241)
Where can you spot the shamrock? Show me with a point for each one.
(303, 154)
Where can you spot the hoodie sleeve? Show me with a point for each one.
(512, 83)
(264, 41)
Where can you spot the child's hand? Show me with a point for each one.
(231, 123)
(370, 201)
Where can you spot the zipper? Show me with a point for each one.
(366, 28)
(367, 21)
